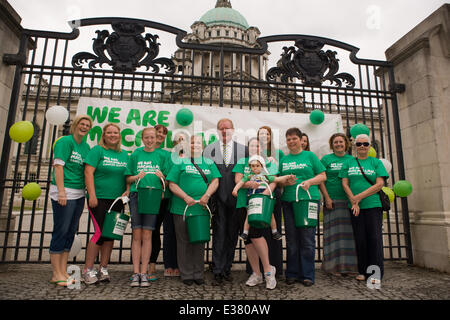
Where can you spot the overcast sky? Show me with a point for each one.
(371, 25)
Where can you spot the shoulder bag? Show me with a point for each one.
(212, 200)
(385, 203)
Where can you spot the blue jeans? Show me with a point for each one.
(65, 224)
(300, 247)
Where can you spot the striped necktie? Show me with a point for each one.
(225, 154)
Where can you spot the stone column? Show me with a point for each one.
(10, 31)
(422, 62)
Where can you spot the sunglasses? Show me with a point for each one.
(365, 144)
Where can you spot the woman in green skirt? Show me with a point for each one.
(339, 253)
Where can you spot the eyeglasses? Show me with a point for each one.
(365, 144)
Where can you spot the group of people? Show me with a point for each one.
(223, 174)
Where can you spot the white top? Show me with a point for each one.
(71, 194)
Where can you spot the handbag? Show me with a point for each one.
(385, 203)
(212, 203)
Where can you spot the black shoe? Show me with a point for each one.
(199, 282)
(218, 280)
(228, 277)
(290, 281)
(188, 282)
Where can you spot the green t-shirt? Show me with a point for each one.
(187, 177)
(109, 174)
(243, 167)
(141, 160)
(167, 165)
(373, 168)
(333, 165)
(73, 154)
(304, 166)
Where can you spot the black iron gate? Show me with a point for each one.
(125, 64)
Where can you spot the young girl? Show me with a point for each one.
(260, 176)
(146, 166)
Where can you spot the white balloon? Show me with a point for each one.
(57, 115)
(387, 165)
(76, 247)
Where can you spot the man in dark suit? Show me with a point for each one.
(228, 221)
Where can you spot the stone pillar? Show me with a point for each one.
(10, 31)
(422, 62)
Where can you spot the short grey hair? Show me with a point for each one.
(362, 136)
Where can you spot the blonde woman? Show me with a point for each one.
(67, 191)
(105, 181)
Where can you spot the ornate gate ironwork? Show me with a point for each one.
(306, 78)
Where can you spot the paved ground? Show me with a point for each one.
(401, 282)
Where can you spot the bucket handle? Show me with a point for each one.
(124, 199)
(271, 195)
(185, 209)
(296, 193)
(162, 180)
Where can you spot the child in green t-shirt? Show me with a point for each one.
(260, 175)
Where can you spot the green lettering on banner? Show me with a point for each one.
(169, 139)
(96, 114)
(124, 133)
(113, 115)
(95, 133)
(149, 118)
(138, 139)
(134, 115)
(163, 116)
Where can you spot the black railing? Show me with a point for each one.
(307, 77)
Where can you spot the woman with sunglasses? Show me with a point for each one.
(365, 205)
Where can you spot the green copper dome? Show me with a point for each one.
(224, 16)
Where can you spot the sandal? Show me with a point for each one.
(360, 277)
(168, 272)
(60, 283)
(152, 277)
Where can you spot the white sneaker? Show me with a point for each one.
(90, 276)
(271, 282)
(254, 280)
(103, 274)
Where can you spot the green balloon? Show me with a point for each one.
(358, 129)
(21, 131)
(31, 191)
(402, 188)
(316, 117)
(184, 117)
(390, 193)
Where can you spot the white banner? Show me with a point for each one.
(133, 116)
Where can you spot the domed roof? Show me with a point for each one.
(224, 16)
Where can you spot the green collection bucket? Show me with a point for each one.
(198, 225)
(149, 198)
(305, 211)
(260, 208)
(115, 222)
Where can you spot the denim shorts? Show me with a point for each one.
(65, 224)
(140, 221)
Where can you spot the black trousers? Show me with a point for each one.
(367, 229)
(227, 224)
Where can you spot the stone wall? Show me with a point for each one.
(9, 38)
(422, 62)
